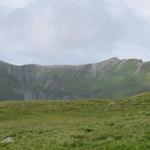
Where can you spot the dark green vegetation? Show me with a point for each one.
(113, 78)
(76, 125)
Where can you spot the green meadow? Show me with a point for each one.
(121, 124)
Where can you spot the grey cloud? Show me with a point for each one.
(72, 31)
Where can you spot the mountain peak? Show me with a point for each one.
(113, 59)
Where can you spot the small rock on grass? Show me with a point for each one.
(7, 140)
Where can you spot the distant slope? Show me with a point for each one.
(112, 78)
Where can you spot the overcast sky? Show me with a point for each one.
(73, 31)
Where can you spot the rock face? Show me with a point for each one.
(112, 78)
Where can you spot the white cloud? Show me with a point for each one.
(73, 31)
(140, 7)
(14, 4)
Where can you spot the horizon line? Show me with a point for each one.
(111, 58)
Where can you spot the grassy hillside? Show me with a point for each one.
(112, 78)
(76, 125)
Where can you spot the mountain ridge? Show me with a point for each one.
(112, 78)
(110, 59)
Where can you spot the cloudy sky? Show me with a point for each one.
(73, 31)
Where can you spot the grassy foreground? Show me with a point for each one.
(76, 125)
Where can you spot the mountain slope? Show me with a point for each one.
(108, 79)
